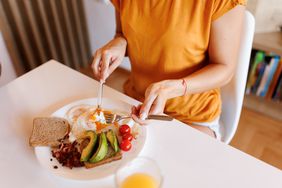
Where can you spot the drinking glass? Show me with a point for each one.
(140, 168)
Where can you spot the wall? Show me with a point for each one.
(8, 73)
(100, 19)
(268, 14)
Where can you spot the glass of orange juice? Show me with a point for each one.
(141, 172)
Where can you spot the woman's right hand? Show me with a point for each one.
(108, 58)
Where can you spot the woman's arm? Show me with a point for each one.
(118, 25)
(223, 51)
(110, 56)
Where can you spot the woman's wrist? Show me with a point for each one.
(174, 88)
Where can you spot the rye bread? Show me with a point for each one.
(48, 131)
(115, 157)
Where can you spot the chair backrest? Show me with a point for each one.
(233, 93)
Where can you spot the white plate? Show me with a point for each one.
(44, 155)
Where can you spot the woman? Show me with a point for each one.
(181, 53)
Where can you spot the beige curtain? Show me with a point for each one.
(38, 30)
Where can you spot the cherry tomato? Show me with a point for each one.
(124, 129)
(125, 145)
(127, 136)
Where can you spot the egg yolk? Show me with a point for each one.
(100, 125)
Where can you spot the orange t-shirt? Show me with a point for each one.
(168, 39)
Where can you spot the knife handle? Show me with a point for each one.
(160, 117)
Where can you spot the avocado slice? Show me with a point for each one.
(112, 138)
(88, 150)
(102, 149)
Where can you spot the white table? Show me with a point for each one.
(187, 157)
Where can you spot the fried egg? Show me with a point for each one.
(74, 112)
(84, 117)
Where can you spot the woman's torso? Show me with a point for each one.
(168, 39)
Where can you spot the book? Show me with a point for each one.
(278, 90)
(259, 57)
(267, 76)
(258, 75)
(263, 80)
(274, 81)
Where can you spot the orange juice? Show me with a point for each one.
(139, 180)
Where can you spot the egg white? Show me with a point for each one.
(73, 113)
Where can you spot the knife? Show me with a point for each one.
(100, 95)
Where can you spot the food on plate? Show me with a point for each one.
(68, 155)
(83, 138)
(48, 131)
(102, 150)
(112, 138)
(127, 136)
(85, 117)
(74, 112)
(125, 145)
(88, 150)
(116, 157)
(124, 129)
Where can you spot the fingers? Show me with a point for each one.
(113, 65)
(136, 110)
(158, 106)
(135, 113)
(139, 121)
(145, 108)
(107, 58)
(101, 63)
(96, 63)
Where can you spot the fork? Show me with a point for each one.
(111, 118)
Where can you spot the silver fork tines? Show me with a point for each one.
(111, 118)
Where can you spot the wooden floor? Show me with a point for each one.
(258, 135)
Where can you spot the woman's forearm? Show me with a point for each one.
(210, 77)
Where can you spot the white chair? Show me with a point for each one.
(233, 92)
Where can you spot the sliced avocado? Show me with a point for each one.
(88, 150)
(112, 138)
(102, 149)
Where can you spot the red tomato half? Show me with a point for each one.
(125, 145)
(127, 136)
(124, 129)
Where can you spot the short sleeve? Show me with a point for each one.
(220, 7)
(116, 4)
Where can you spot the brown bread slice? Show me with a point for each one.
(48, 131)
(116, 157)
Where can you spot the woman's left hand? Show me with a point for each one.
(156, 96)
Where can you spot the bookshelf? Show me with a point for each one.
(269, 42)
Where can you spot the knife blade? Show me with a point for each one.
(100, 95)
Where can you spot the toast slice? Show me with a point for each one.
(48, 131)
(115, 157)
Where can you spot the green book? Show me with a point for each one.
(259, 57)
